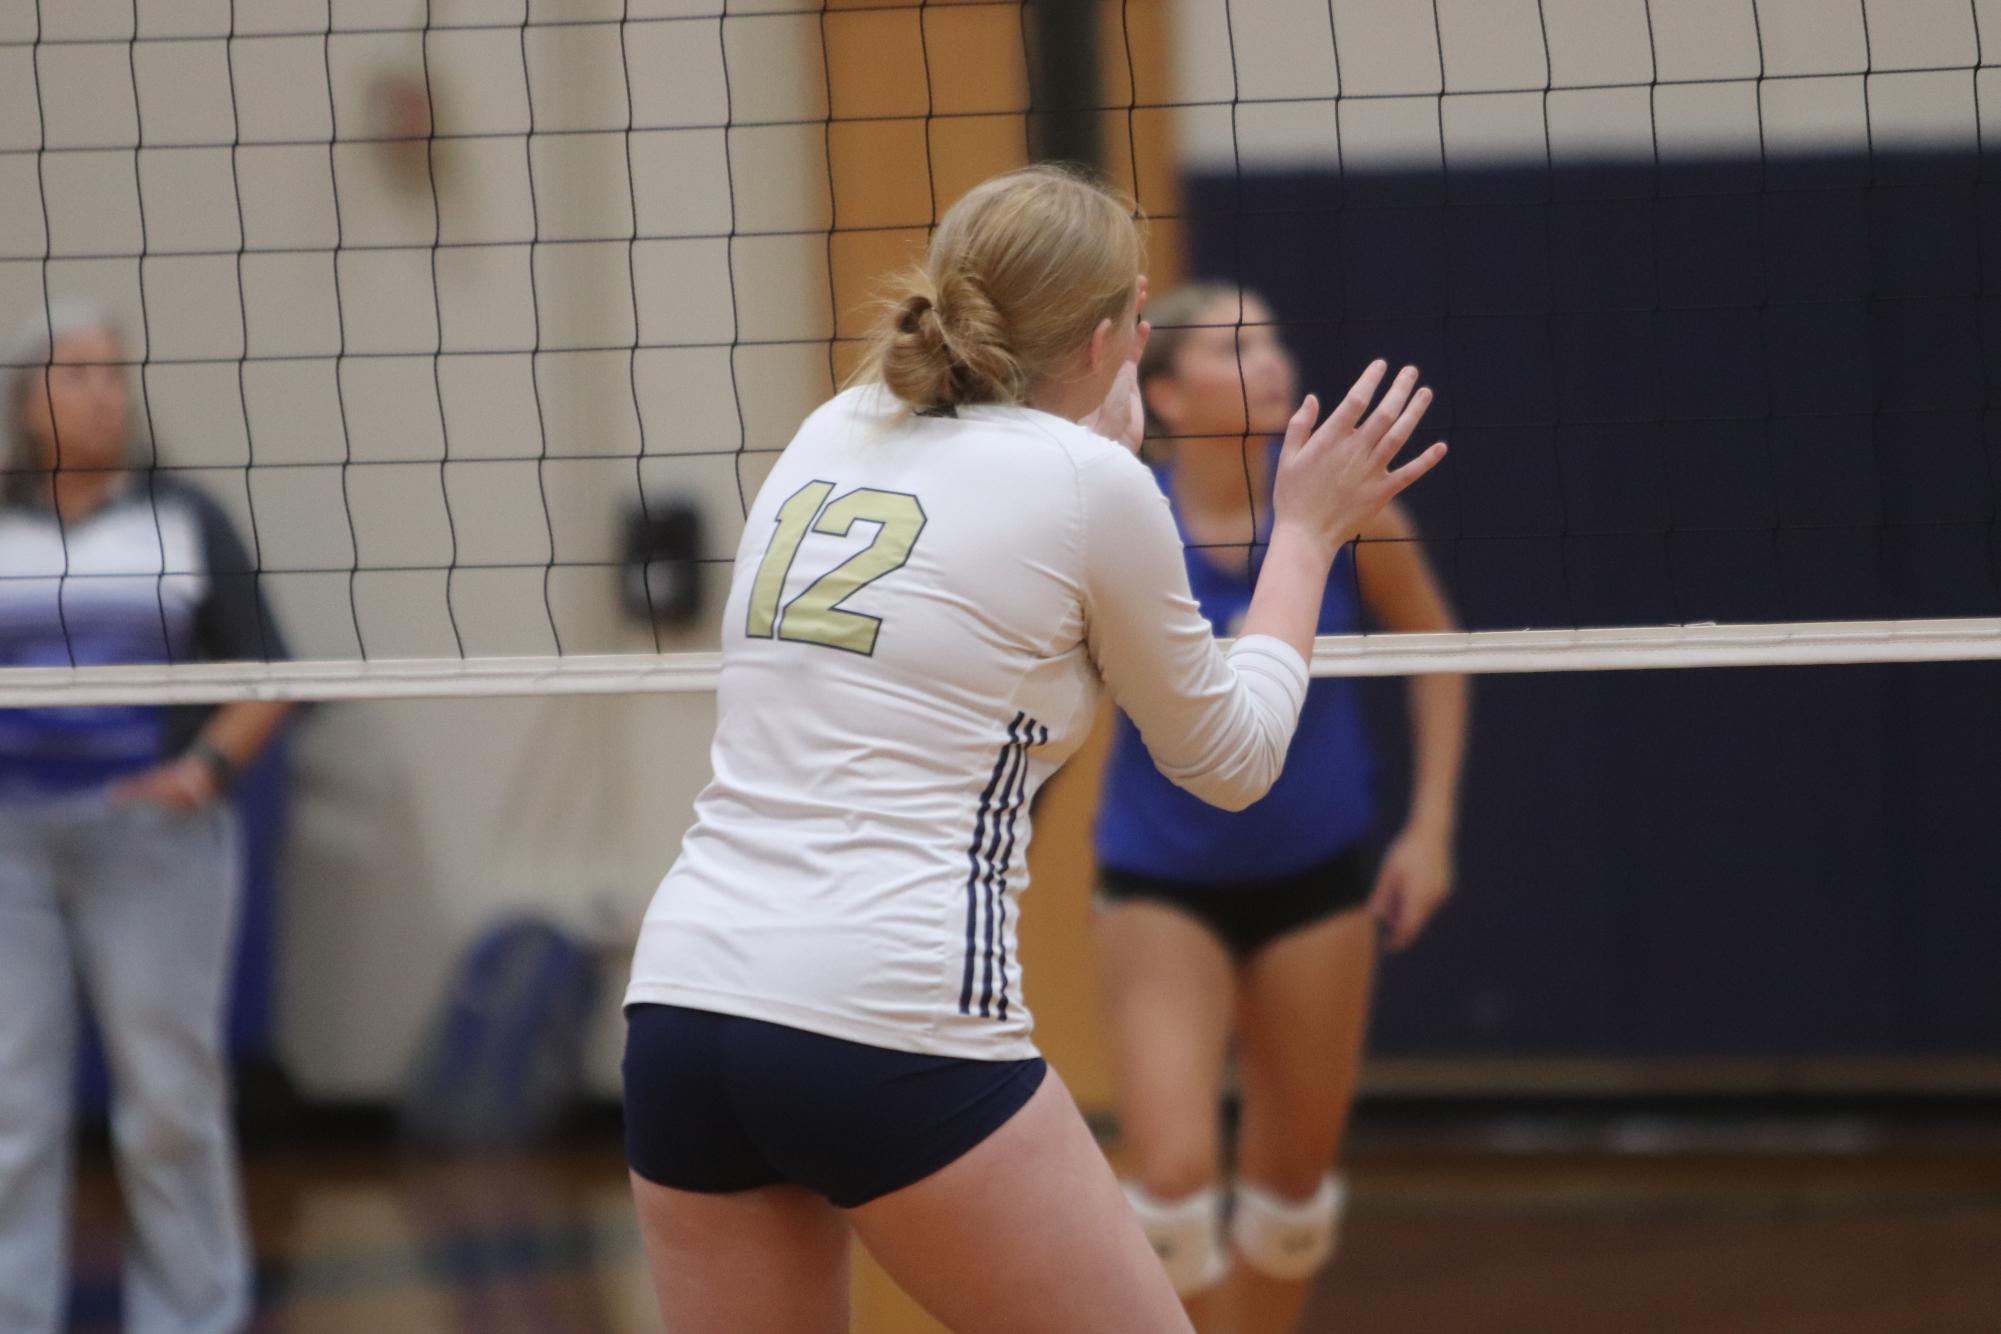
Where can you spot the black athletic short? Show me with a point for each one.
(717, 1103)
(1247, 915)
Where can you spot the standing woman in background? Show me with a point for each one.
(825, 1027)
(1213, 924)
(119, 859)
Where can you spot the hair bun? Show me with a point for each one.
(985, 368)
(910, 312)
(1018, 274)
(925, 363)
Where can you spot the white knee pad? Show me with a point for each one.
(1187, 1235)
(1288, 1239)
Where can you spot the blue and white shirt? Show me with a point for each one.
(156, 574)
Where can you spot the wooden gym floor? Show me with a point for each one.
(1842, 1230)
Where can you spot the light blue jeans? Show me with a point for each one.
(136, 907)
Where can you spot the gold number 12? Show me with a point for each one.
(816, 616)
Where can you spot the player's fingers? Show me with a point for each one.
(1401, 430)
(1410, 925)
(1416, 468)
(1360, 394)
(1383, 898)
(1386, 913)
(1392, 908)
(1402, 935)
(1393, 402)
(1301, 426)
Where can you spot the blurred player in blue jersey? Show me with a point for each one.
(1216, 926)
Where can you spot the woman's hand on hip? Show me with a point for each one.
(183, 784)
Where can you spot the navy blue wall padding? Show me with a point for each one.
(1723, 391)
(263, 798)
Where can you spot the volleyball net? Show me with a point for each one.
(484, 321)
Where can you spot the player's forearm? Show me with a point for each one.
(1439, 706)
(1286, 602)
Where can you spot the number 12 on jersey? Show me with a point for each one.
(816, 616)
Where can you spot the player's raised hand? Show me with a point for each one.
(1122, 416)
(1334, 477)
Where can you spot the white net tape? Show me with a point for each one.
(1495, 651)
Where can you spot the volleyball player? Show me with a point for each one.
(826, 1027)
(1215, 925)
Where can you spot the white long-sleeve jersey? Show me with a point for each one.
(922, 612)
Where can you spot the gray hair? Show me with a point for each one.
(28, 354)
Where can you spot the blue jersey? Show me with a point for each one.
(1321, 806)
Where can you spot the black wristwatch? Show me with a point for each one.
(220, 767)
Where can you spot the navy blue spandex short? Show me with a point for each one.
(1250, 914)
(717, 1103)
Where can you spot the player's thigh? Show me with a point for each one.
(773, 1258)
(1026, 1233)
(1303, 1017)
(1169, 993)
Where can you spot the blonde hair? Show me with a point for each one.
(1018, 275)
